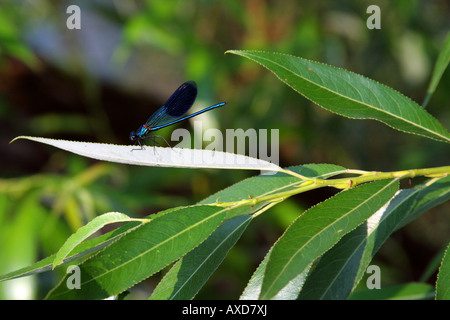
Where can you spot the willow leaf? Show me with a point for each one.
(349, 94)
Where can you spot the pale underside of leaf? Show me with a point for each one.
(158, 156)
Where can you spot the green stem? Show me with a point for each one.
(308, 184)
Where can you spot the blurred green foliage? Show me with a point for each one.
(102, 81)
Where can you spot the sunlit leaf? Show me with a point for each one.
(318, 229)
(142, 252)
(84, 232)
(349, 94)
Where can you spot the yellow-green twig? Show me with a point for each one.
(308, 184)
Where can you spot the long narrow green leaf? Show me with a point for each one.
(439, 68)
(190, 273)
(80, 252)
(432, 266)
(253, 288)
(341, 268)
(290, 292)
(349, 94)
(409, 291)
(142, 252)
(443, 280)
(84, 232)
(318, 229)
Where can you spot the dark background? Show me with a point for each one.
(103, 81)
